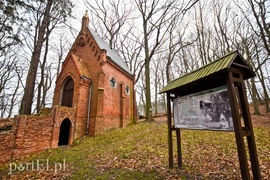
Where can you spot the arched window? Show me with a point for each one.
(67, 96)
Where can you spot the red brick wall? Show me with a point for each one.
(7, 139)
(29, 135)
(81, 108)
(60, 113)
(112, 95)
(33, 134)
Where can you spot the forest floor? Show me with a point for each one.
(140, 151)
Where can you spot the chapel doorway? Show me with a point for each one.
(64, 132)
(67, 96)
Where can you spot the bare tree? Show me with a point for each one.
(9, 17)
(260, 11)
(156, 78)
(155, 15)
(260, 57)
(60, 49)
(251, 45)
(14, 96)
(114, 22)
(203, 34)
(111, 17)
(140, 87)
(174, 45)
(222, 13)
(130, 49)
(253, 89)
(28, 96)
(9, 82)
(55, 12)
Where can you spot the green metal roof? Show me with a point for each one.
(216, 66)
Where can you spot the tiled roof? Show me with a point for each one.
(111, 53)
(216, 66)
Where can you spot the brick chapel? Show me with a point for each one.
(94, 93)
(96, 82)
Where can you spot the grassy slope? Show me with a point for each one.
(140, 152)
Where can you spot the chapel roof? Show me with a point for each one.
(111, 53)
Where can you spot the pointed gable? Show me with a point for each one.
(80, 66)
(111, 54)
(216, 70)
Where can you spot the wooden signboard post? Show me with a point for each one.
(230, 72)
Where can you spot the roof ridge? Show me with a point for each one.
(215, 68)
(216, 60)
(110, 52)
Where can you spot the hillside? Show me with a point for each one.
(140, 152)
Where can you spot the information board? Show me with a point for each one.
(209, 110)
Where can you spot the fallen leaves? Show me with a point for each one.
(141, 152)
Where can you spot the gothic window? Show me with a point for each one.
(113, 82)
(67, 96)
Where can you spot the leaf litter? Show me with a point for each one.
(140, 151)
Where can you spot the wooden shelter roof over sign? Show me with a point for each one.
(209, 76)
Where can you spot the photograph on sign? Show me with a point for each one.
(209, 110)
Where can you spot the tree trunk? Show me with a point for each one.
(254, 97)
(266, 96)
(41, 89)
(148, 105)
(156, 91)
(26, 104)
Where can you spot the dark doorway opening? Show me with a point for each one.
(67, 96)
(64, 132)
